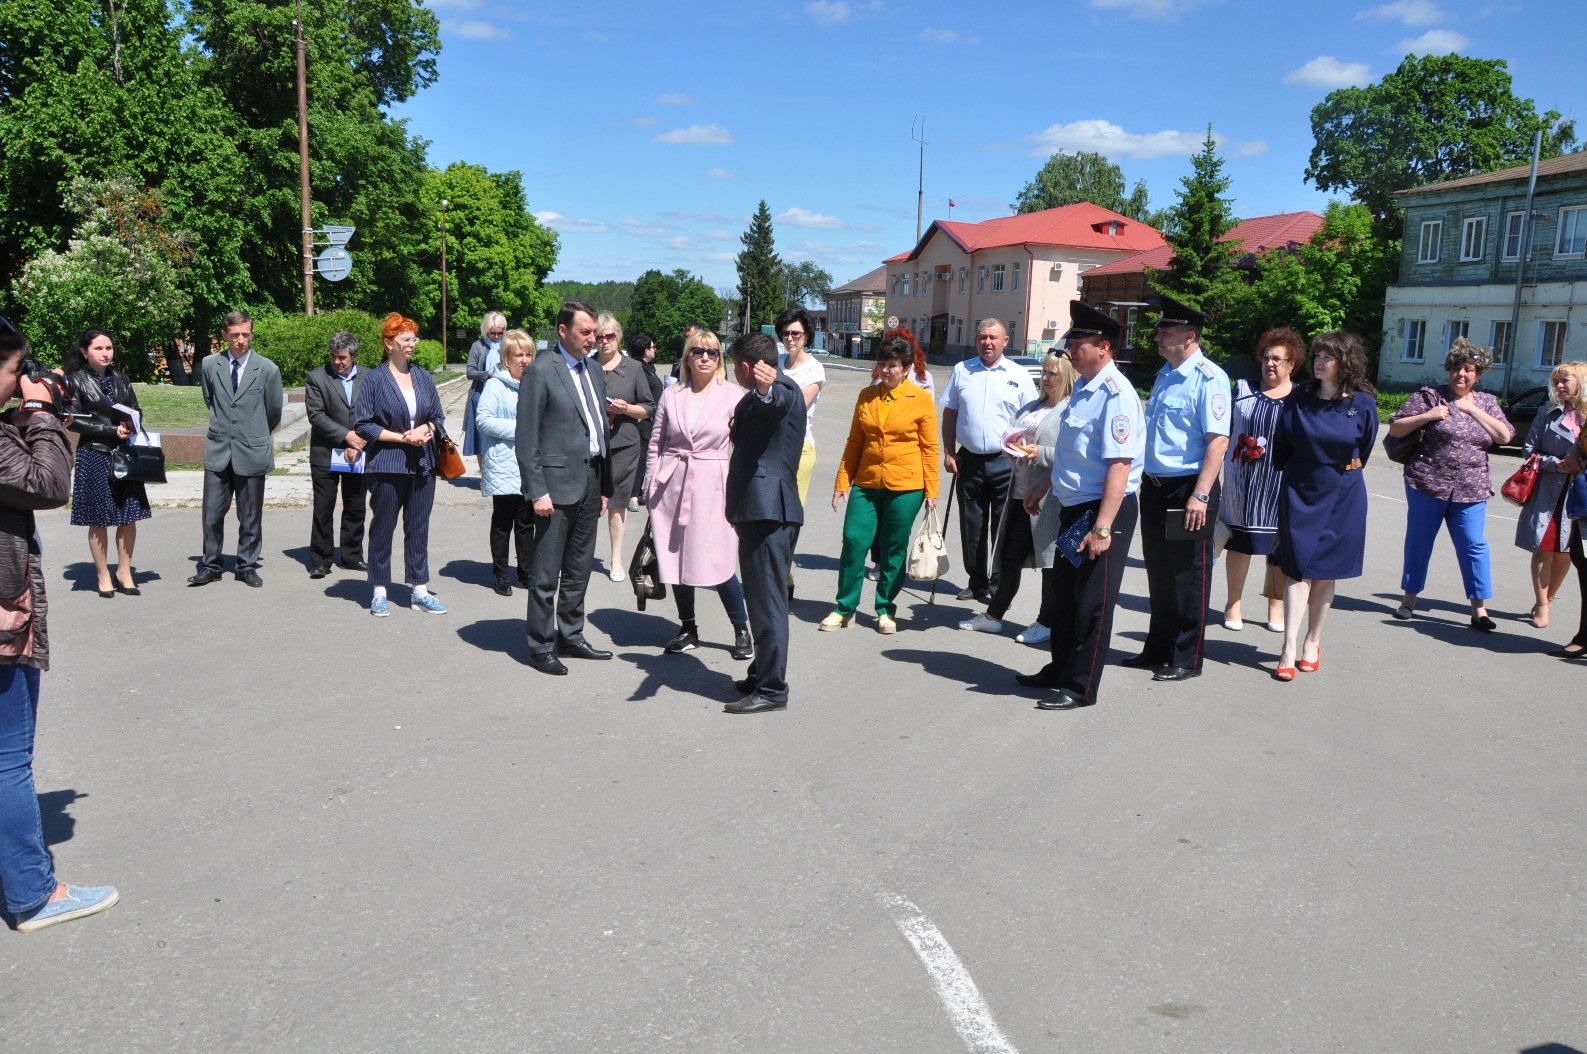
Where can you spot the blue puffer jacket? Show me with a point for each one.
(497, 422)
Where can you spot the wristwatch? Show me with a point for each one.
(1205, 499)
(1102, 532)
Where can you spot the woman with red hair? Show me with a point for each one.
(398, 415)
(917, 371)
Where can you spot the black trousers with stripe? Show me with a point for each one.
(1084, 598)
(1178, 573)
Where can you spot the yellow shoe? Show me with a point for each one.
(834, 622)
(885, 624)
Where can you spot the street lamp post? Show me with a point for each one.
(444, 204)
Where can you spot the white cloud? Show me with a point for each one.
(947, 36)
(697, 135)
(1325, 71)
(642, 229)
(475, 29)
(1253, 148)
(723, 173)
(797, 217)
(1105, 137)
(1406, 12)
(719, 234)
(685, 215)
(566, 224)
(1149, 10)
(674, 100)
(1435, 42)
(828, 12)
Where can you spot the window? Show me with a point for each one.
(1473, 233)
(1016, 278)
(1432, 234)
(980, 280)
(1415, 340)
(1013, 331)
(905, 280)
(1512, 235)
(1572, 232)
(997, 278)
(1500, 340)
(963, 274)
(958, 331)
(1455, 329)
(1550, 344)
(1129, 327)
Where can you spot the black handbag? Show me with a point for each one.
(644, 570)
(136, 463)
(1402, 450)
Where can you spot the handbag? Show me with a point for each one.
(1576, 497)
(137, 463)
(1402, 450)
(928, 550)
(448, 458)
(644, 570)
(1519, 487)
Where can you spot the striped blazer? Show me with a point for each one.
(379, 405)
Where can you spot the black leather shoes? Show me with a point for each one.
(755, 704)
(1142, 661)
(355, 564)
(204, 578)
(1175, 673)
(1065, 700)
(1040, 679)
(503, 587)
(250, 578)
(129, 591)
(319, 570)
(581, 649)
(546, 662)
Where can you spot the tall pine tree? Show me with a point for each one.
(1202, 272)
(760, 272)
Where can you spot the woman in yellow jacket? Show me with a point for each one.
(891, 461)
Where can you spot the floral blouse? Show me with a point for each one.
(1451, 463)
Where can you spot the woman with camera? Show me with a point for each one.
(34, 475)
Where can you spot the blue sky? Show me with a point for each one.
(647, 132)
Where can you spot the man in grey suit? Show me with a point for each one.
(561, 444)
(242, 390)
(768, 433)
(328, 394)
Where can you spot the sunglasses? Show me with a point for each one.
(789, 334)
(705, 353)
(606, 336)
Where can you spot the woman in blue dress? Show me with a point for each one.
(1323, 440)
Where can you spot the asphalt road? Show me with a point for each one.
(333, 833)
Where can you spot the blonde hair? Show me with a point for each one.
(1574, 369)
(514, 339)
(704, 338)
(605, 321)
(1066, 372)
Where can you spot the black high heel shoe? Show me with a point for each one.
(131, 591)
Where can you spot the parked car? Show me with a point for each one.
(1522, 410)
(1032, 366)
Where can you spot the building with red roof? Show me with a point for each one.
(1022, 270)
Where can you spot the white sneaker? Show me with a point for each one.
(616, 575)
(1035, 633)
(982, 624)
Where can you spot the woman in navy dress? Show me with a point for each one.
(1323, 440)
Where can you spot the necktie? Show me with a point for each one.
(596, 419)
(236, 371)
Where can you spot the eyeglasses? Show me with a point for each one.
(1277, 360)
(790, 334)
(705, 353)
(606, 336)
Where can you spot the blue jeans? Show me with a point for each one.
(731, 592)
(1467, 523)
(25, 869)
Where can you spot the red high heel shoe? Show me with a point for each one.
(1284, 673)
(1310, 667)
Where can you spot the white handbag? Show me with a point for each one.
(928, 551)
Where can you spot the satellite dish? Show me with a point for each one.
(335, 264)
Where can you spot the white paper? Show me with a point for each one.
(137, 418)
(339, 462)
(144, 439)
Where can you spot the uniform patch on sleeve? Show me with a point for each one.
(1220, 406)
(1121, 428)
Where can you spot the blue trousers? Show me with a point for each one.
(1467, 522)
(25, 870)
(410, 496)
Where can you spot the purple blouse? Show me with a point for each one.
(1452, 461)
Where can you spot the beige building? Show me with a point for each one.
(855, 311)
(1023, 270)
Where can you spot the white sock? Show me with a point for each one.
(420, 592)
(380, 592)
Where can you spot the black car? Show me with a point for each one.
(1522, 410)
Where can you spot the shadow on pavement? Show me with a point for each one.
(502, 634)
(58, 822)
(967, 672)
(470, 572)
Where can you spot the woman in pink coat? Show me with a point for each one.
(687, 493)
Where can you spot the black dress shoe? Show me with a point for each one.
(250, 578)
(106, 593)
(355, 564)
(1040, 679)
(1142, 661)
(523, 579)
(319, 570)
(581, 649)
(1483, 624)
(1065, 700)
(546, 662)
(503, 587)
(755, 704)
(204, 578)
(1175, 673)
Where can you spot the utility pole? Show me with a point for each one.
(444, 204)
(1520, 266)
(920, 186)
(303, 167)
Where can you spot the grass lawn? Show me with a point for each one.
(171, 405)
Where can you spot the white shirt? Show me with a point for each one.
(807, 373)
(987, 399)
(581, 380)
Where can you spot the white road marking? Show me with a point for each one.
(971, 1017)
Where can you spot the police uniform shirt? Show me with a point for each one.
(1103, 422)
(987, 399)
(1188, 403)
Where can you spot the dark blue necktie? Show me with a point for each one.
(236, 371)
(596, 420)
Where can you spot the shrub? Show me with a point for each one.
(428, 355)
(298, 343)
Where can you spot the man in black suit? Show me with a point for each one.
(562, 462)
(328, 393)
(763, 503)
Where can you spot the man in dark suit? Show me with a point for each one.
(562, 462)
(763, 503)
(242, 390)
(328, 393)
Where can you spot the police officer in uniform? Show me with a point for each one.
(1096, 472)
(1187, 431)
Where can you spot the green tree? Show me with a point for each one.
(120, 271)
(497, 255)
(1202, 273)
(1065, 179)
(615, 297)
(806, 284)
(760, 273)
(664, 303)
(1436, 117)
